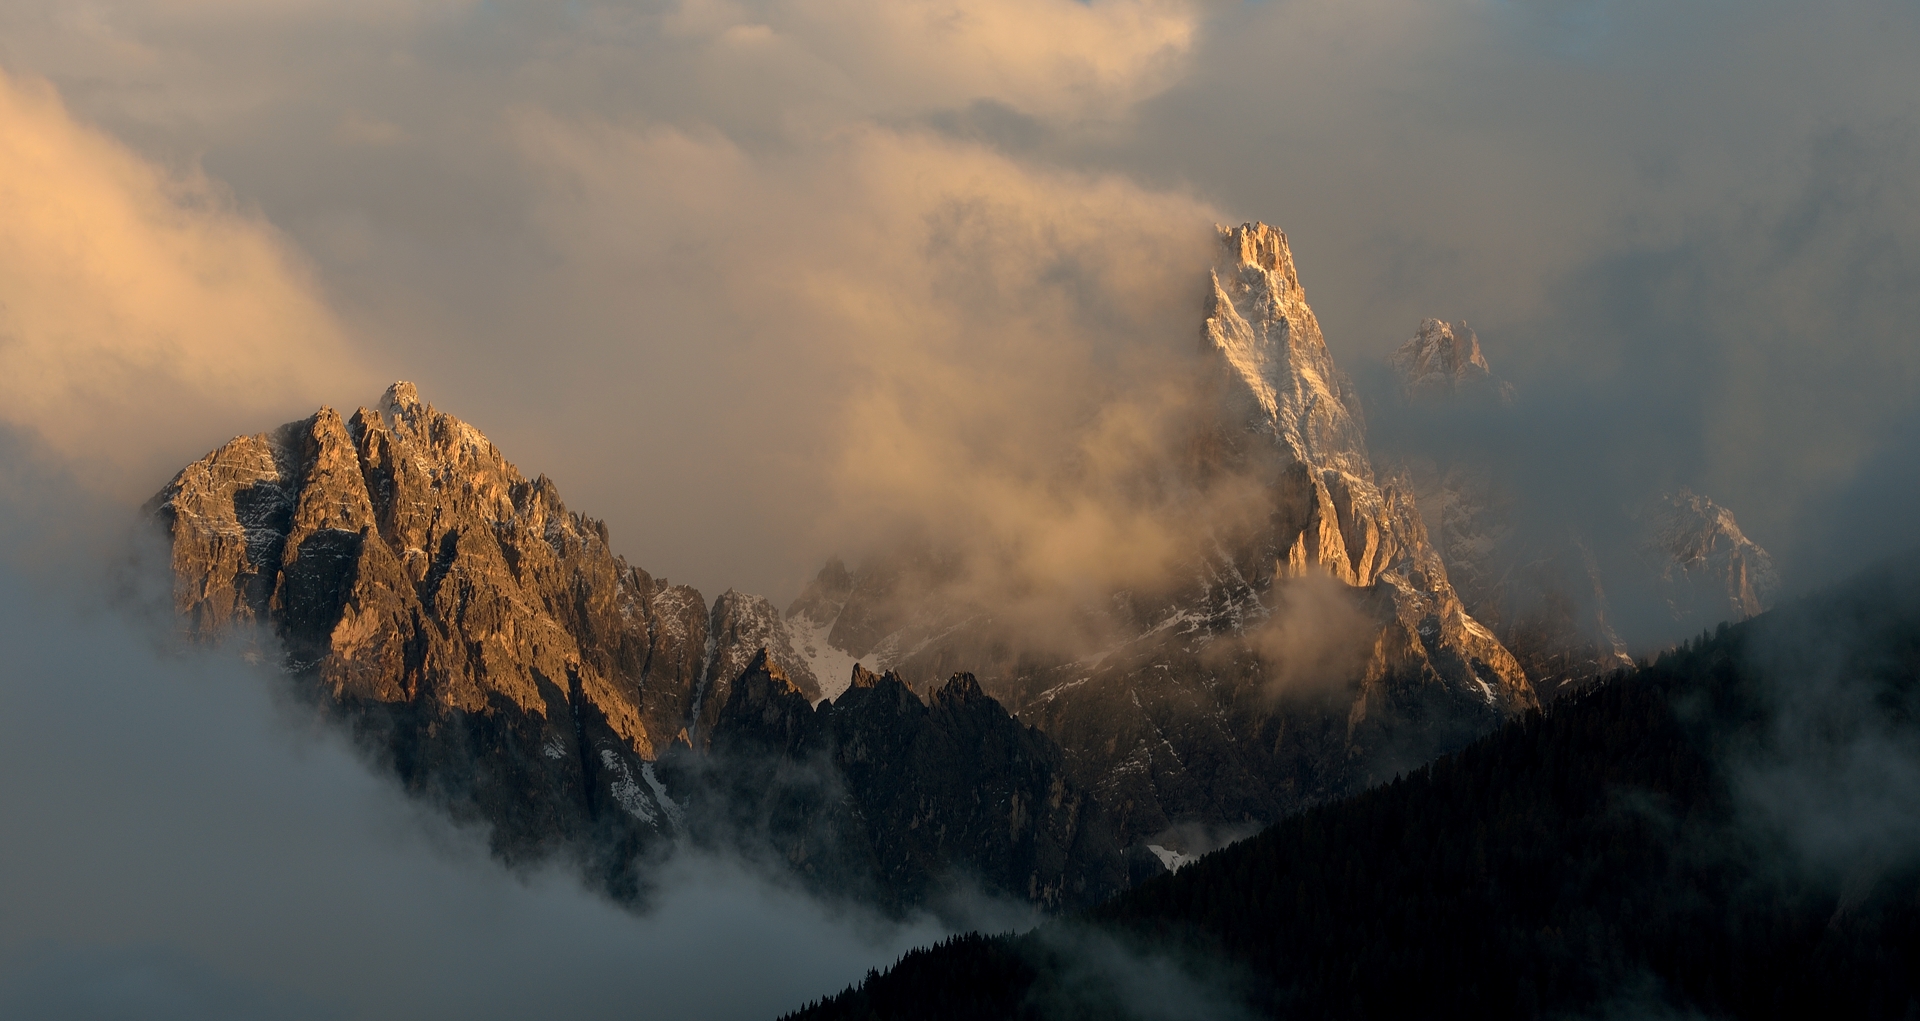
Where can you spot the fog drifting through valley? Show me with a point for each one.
(187, 840)
(759, 282)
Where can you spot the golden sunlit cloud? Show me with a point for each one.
(141, 313)
(1009, 347)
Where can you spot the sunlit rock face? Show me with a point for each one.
(482, 638)
(487, 645)
(1307, 648)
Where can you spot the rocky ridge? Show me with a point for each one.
(1708, 570)
(488, 646)
(881, 793)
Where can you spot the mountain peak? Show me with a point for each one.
(1280, 379)
(1444, 360)
(401, 396)
(1709, 567)
(1263, 247)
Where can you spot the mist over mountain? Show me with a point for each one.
(187, 840)
(1575, 592)
(1729, 832)
(1028, 537)
(1288, 637)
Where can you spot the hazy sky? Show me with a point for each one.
(753, 279)
(720, 268)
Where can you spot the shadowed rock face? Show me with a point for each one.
(901, 799)
(1708, 569)
(487, 645)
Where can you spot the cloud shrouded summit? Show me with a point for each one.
(746, 237)
(765, 280)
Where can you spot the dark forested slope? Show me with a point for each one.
(1731, 831)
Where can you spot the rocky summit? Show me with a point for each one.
(483, 640)
(1443, 363)
(1312, 645)
(488, 646)
(1708, 570)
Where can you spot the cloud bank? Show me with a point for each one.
(690, 257)
(131, 295)
(762, 281)
(185, 843)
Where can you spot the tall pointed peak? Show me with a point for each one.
(1259, 245)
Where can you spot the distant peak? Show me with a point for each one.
(1444, 360)
(401, 396)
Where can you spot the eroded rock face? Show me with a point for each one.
(484, 639)
(1313, 647)
(488, 646)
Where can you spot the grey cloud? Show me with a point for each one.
(1686, 232)
(183, 840)
(1836, 774)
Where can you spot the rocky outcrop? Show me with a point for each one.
(744, 627)
(902, 799)
(488, 646)
(1707, 569)
(1311, 646)
(1443, 363)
